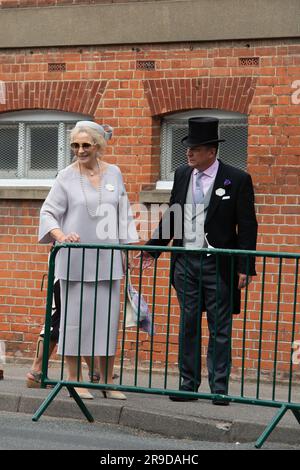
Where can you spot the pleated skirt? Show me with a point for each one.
(86, 329)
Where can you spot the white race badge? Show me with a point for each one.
(220, 192)
(109, 187)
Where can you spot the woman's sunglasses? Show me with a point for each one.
(85, 146)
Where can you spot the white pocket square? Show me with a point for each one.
(225, 197)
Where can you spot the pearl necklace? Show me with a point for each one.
(91, 214)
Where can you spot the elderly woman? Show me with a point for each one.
(88, 204)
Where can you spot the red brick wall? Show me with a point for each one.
(22, 268)
(105, 83)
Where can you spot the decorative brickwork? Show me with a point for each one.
(228, 93)
(72, 96)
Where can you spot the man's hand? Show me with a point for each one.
(244, 280)
(147, 262)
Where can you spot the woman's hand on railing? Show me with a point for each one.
(60, 237)
(72, 237)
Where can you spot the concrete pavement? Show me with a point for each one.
(156, 413)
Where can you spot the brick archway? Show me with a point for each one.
(71, 96)
(227, 93)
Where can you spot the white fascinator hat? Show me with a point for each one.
(105, 130)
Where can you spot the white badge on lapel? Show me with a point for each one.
(220, 192)
(109, 187)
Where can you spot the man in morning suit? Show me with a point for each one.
(217, 207)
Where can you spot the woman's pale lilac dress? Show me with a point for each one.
(96, 303)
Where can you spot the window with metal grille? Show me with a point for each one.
(35, 144)
(233, 127)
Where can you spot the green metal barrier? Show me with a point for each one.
(278, 276)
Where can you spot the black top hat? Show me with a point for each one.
(202, 131)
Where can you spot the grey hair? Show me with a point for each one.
(104, 129)
(97, 138)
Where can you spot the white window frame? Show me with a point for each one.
(34, 118)
(179, 118)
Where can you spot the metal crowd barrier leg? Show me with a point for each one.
(80, 403)
(47, 402)
(271, 426)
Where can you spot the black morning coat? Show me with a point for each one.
(230, 221)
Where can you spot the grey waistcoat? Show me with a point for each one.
(194, 218)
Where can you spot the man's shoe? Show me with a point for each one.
(182, 398)
(175, 398)
(220, 401)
